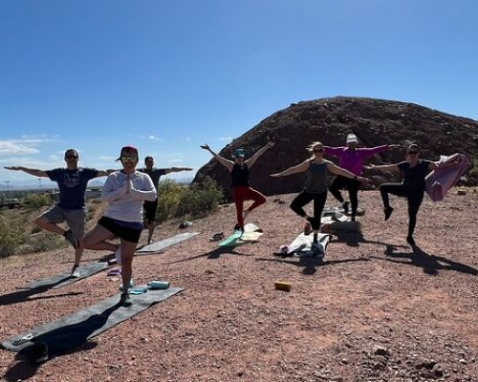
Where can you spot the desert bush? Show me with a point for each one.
(197, 200)
(169, 193)
(200, 199)
(43, 243)
(474, 166)
(11, 237)
(36, 200)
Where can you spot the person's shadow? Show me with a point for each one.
(25, 295)
(354, 239)
(431, 264)
(215, 254)
(310, 264)
(60, 341)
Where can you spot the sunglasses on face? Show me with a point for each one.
(128, 159)
(413, 152)
(71, 157)
(318, 150)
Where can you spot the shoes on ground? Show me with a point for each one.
(75, 272)
(126, 299)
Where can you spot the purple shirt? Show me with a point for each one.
(352, 160)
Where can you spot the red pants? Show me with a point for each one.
(241, 193)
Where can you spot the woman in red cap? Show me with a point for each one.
(125, 191)
(241, 191)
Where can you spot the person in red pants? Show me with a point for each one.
(240, 188)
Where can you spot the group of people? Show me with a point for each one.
(348, 174)
(126, 191)
(130, 190)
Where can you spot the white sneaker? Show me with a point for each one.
(118, 255)
(75, 272)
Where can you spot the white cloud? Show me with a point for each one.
(225, 139)
(11, 147)
(155, 138)
(27, 144)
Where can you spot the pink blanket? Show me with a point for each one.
(440, 180)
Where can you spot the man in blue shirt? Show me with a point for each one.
(71, 208)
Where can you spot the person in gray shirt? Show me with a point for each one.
(315, 188)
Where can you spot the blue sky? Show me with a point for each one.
(167, 76)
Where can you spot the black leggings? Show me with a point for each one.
(414, 198)
(304, 198)
(353, 185)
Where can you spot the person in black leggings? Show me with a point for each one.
(316, 185)
(413, 171)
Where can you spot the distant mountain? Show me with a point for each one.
(329, 120)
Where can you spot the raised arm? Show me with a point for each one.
(304, 166)
(383, 167)
(225, 162)
(334, 151)
(104, 173)
(343, 172)
(177, 169)
(250, 162)
(30, 171)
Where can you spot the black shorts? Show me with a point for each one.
(129, 234)
(150, 210)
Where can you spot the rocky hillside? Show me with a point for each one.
(329, 120)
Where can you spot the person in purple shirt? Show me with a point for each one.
(351, 159)
(71, 208)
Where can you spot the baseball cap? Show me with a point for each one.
(238, 153)
(351, 138)
(128, 151)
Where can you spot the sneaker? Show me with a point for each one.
(345, 206)
(118, 255)
(71, 238)
(387, 211)
(75, 272)
(411, 241)
(308, 228)
(126, 299)
(237, 227)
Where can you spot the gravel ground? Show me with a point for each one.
(374, 310)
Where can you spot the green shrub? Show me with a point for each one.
(200, 199)
(474, 168)
(197, 200)
(169, 193)
(43, 243)
(36, 200)
(11, 237)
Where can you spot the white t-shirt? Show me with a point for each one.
(123, 205)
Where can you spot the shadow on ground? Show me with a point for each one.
(431, 264)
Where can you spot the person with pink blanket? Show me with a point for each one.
(413, 171)
(351, 159)
(440, 180)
